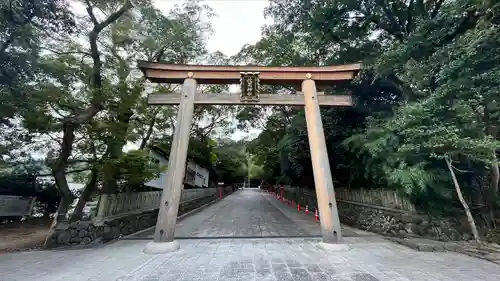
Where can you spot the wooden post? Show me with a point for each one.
(172, 187)
(330, 223)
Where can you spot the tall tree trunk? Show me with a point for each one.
(114, 150)
(146, 138)
(470, 219)
(63, 187)
(59, 216)
(59, 174)
(495, 176)
(85, 196)
(493, 192)
(490, 200)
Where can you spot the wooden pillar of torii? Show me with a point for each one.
(249, 78)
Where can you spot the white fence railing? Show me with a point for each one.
(15, 206)
(111, 205)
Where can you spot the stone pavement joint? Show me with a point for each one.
(371, 258)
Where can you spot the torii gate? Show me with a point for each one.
(249, 77)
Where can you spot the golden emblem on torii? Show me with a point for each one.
(249, 84)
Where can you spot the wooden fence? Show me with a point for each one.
(112, 205)
(376, 197)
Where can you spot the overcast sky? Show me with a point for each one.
(238, 22)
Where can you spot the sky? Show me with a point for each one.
(237, 22)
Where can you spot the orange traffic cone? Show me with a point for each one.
(298, 206)
(307, 210)
(316, 217)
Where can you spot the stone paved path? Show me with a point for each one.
(247, 213)
(281, 259)
(371, 258)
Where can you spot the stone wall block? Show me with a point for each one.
(85, 241)
(86, 232)
(63, 238)
(82, 233)
(75, 239)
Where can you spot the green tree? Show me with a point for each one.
(427, 94)
(91, 100)
(230, 165)
(127, 118)
(23, 26)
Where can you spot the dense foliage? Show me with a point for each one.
(427, 107)
(74, 102)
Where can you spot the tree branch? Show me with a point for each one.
(146, 138)
(401, 85)
(75, 161)
(90, 11)
(437, 7)
(57, 111)
(67, 172)
(285, 114)
(379, 24)
(98, 27)
(395, 27)
(66, 53)
(462, 171)
(409, 20)
(113, 17)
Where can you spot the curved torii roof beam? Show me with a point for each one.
(228, 74)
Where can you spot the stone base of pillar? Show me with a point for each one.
(334, 247)
(154, 248)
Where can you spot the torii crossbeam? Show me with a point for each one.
(249, 77)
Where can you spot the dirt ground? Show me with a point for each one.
(23, 235)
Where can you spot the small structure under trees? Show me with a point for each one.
(250, 78)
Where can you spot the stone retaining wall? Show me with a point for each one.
(401, 223)
(385, 212)
(91, 232)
